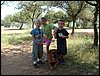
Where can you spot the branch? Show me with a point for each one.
(70, 14)
(82, 5)
(2, 2)
(29, 17)
(38, 15)
(90, 3)
(34, 13)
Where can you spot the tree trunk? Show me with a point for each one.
(21, 26)
(32, 23)
(33, 19)
(68, 25)
(73, 27)
(2, 2)
(95, 28)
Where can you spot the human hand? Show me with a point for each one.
(67, 37)
(63, 36)
(38, 43)
(41, 43)
(55, 29)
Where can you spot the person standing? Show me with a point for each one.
(37, 37)
(61, 34)
(47, 28)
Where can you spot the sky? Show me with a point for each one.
(10, 10)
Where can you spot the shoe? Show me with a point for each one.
(35, 65)
(62, 62)
(40, 62)
(45, 60)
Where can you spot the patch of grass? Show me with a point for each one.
(80, 52)
(14, 39)
(81, 59)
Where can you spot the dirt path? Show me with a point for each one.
(16, 60)
(23, 31)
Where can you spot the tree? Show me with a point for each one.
(32, 7)
(8, 3)
(53, 16)
(96, 5)
(72, 8)
(50, 16)
(21, 18)
(2, 2)
(8, 20)
(60, 15)
(86, 15)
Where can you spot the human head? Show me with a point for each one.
(37, 22)
(61, 23)
(44, 20)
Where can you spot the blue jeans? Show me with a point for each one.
(37, 52)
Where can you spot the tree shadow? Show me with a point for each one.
(17, 60)
(19, 40)
(20, 63)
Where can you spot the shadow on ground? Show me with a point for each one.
(17, 60)
(21, 64)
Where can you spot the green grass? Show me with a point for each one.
(82, 58)
(81, 47)
(14, 39)
(82, 55)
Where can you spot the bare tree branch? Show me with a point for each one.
(82, 5)
(38, 15)
(29, 17)
(2, 2)
(90, 3)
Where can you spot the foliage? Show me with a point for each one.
(8, 19)
(21, 17)
(53, 16)
(86, 14)
(32, 8)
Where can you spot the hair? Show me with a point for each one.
(60, 20)
(38, 20)
(44, 18)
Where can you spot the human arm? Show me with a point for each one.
(38, 43)
(42, 40)
(55, 32)
(33, 33)
(65, 34)
(42, 37)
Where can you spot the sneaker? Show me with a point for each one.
(62, 62)
(35, 65)
(45, 60)
(40, 62)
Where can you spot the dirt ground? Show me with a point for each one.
(17, 60)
